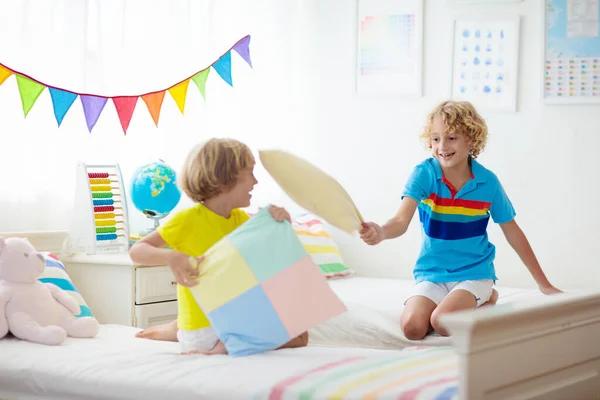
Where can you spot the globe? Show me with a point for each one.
(154, 190)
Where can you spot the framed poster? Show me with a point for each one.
(571, 52)
(389, 47)
(485, 62)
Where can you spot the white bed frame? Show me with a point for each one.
(543, 348)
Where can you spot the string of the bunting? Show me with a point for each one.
(30, 90)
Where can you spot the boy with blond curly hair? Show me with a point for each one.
(218, 176)
(455, 196)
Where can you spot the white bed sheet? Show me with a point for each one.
(374, 309)
(116, 365)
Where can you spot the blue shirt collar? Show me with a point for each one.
(478, 170)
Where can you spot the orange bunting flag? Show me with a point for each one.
(125, 106)
(179, 93)
(154, 103)
(62, 99)
(4, 74)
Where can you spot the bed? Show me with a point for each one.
(527, 347)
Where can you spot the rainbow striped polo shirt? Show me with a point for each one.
(454, 225)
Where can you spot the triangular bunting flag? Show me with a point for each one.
(30, 91)
(154, 103)
(61, 101)
(4, 74)
(125, 106)
(243, 49)
(200, 81)
(223, 67)
(179, 93)
(92, 108)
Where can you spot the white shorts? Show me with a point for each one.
(198, 340)
(436, 292)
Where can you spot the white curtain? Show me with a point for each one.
(131, 47)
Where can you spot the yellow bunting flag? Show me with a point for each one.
(200, 81)
(30, 91)
(154, 103)
(179, 93)
(4, 74)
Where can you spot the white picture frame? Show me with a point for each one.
(389, 47)
(485, 61)
(557, 56)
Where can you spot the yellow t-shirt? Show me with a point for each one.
(193, 232)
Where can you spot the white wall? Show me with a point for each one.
(300, 96)
(266, 107)
(542, 154)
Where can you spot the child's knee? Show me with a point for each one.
(436, 325)
(415, 326)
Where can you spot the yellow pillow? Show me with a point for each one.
(312, 189)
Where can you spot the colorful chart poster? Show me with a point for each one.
(572, 52)
(389, 52)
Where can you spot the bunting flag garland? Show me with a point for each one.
(93, 105)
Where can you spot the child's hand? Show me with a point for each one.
(185, 268)
(371, 233)
(550, 290)
(279, 214)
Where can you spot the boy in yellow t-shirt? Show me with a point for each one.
(217, 175)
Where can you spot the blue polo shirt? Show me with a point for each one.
(454, 225)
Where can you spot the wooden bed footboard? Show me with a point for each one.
(543, 348)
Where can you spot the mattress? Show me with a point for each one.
(374, 309)
(116, 365)
(361, 353)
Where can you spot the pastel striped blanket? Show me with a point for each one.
(415, 374)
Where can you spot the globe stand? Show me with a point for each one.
(152, 215)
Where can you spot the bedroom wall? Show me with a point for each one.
(543, 154)
(266, 107)
(300, 96)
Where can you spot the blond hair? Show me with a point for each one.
(460, 117)
(212, 168)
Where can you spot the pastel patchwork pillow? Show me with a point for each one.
(259, 287)
(55, 273)
(321, 246)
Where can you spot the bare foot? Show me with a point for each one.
(493, 299)
(165, 332)
(218, 349)
(300, 341)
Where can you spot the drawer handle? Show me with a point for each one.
(173, 282)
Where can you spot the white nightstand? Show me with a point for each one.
(119, 292)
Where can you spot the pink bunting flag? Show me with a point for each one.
(125, 106)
